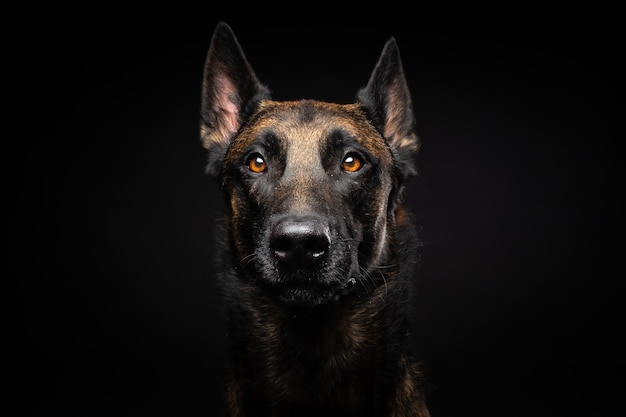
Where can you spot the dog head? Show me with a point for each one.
(312, 187)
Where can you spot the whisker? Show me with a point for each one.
(386, 266)
(248, 258)
(384, 297)
(368, 278)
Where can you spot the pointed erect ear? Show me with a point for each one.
(387, 100)
(230, 92)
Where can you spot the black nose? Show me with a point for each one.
(299, 242)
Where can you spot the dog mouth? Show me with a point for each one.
(303, 292)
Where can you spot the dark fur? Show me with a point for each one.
(317, 263)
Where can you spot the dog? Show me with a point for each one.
(316, 252)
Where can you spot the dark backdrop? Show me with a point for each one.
(111, 217)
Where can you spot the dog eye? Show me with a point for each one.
(256, 163)
(351, 162)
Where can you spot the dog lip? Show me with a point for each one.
(302, 294)
(305, 288)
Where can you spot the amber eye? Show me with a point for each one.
(351, 163)
(256, 163)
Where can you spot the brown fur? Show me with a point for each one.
(316, 259)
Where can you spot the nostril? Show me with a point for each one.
(299, 243)
(316, 244)
(282, 244)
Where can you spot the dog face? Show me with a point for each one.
(312, 187)
(308, 185)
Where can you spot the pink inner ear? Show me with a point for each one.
(396, 123)
(395, 115)
(225, 107)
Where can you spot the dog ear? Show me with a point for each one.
(230, 92)
(387, 100)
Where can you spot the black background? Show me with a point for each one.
(520, 308)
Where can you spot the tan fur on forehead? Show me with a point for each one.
(307, 121)
(299, 117)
